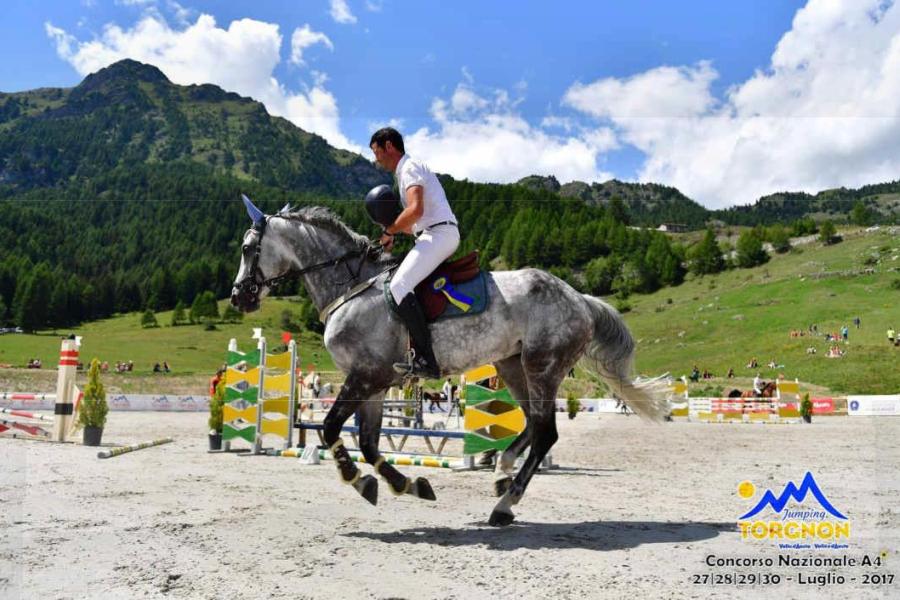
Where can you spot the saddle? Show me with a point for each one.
(456, 288)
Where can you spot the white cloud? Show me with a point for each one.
(374, 6)
(340, 12)
(303, 38)
(485, 139)
(241, 58)
(825, 113)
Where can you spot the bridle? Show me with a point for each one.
(254, 281)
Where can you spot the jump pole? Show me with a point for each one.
(65, 389)
(125, 449)
(410, 460)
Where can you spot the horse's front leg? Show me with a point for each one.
(370, 414)
(348, 401)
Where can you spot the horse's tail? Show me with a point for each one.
(610, 354)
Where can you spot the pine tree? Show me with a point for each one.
(706, 257)
(204, 308)
(750, 252)
(148, 319)
(860, 215)
(232, 315)
(827, 233)
(178, 314)
(93, 408)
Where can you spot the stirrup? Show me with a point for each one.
(416, 366)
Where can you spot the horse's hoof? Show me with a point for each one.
(423, 489)
(367, 487)
(500, 518)
(501, 486)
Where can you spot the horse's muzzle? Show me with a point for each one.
(244, 300)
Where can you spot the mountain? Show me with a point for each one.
(650, 204)
(130, 114)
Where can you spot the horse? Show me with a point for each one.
(534, 330)
(768, 391)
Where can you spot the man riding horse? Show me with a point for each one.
(427, 215)
(534, 329)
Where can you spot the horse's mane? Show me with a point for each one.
(325, 218)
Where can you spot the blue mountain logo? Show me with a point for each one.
(791, 491)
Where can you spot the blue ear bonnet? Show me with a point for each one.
(256, 215)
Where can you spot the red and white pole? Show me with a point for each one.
(65, 387)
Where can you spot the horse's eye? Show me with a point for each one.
(245, 248)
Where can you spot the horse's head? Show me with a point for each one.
(264, 261)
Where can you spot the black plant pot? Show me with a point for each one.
(572, 415)
(807, 418)
(92, 436)
(215, 441)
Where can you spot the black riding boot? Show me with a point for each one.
(424, 363)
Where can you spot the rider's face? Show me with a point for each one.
(385, 156)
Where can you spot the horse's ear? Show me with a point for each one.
(256, 215)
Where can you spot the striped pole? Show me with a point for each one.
(409, 460)
(65, 384)
(13, 396)
(30, 428)
(25, 415)
(125, 449)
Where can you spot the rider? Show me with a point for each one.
(427, 215)
(757, 385)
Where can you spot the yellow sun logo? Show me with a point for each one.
(746, 489)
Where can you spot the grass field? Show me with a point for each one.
(721, 322)
(714, 322)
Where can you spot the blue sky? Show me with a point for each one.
(725, 100)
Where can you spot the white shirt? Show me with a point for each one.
(448, 390)
(756, 383)
(411, 172)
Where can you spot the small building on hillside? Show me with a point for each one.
(672, 227)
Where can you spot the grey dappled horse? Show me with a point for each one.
(535, 329)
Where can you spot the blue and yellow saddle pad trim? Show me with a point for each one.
(458, 299)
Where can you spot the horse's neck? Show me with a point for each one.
(313, 246)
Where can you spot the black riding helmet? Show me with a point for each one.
(383, 205)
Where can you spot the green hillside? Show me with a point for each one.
(721, 322)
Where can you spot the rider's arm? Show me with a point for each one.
(415, 208)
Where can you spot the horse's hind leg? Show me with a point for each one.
(510, 369)
(347, 402)
(544, 378)
(369, 433)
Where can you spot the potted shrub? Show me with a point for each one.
(93, 409)
(572, 405)
(216, 408)
(806, 409)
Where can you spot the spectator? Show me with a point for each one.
(166, 368)
(856, 322)
(753, 364)
(157, 368)
(447, 390)
(130, 366)
(730, 373)
(891, 335)
(214, 382)
(316, 385)
(695, 374)
(845, 332)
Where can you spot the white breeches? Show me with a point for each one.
(433, 247)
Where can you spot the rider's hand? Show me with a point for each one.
(387, 242)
